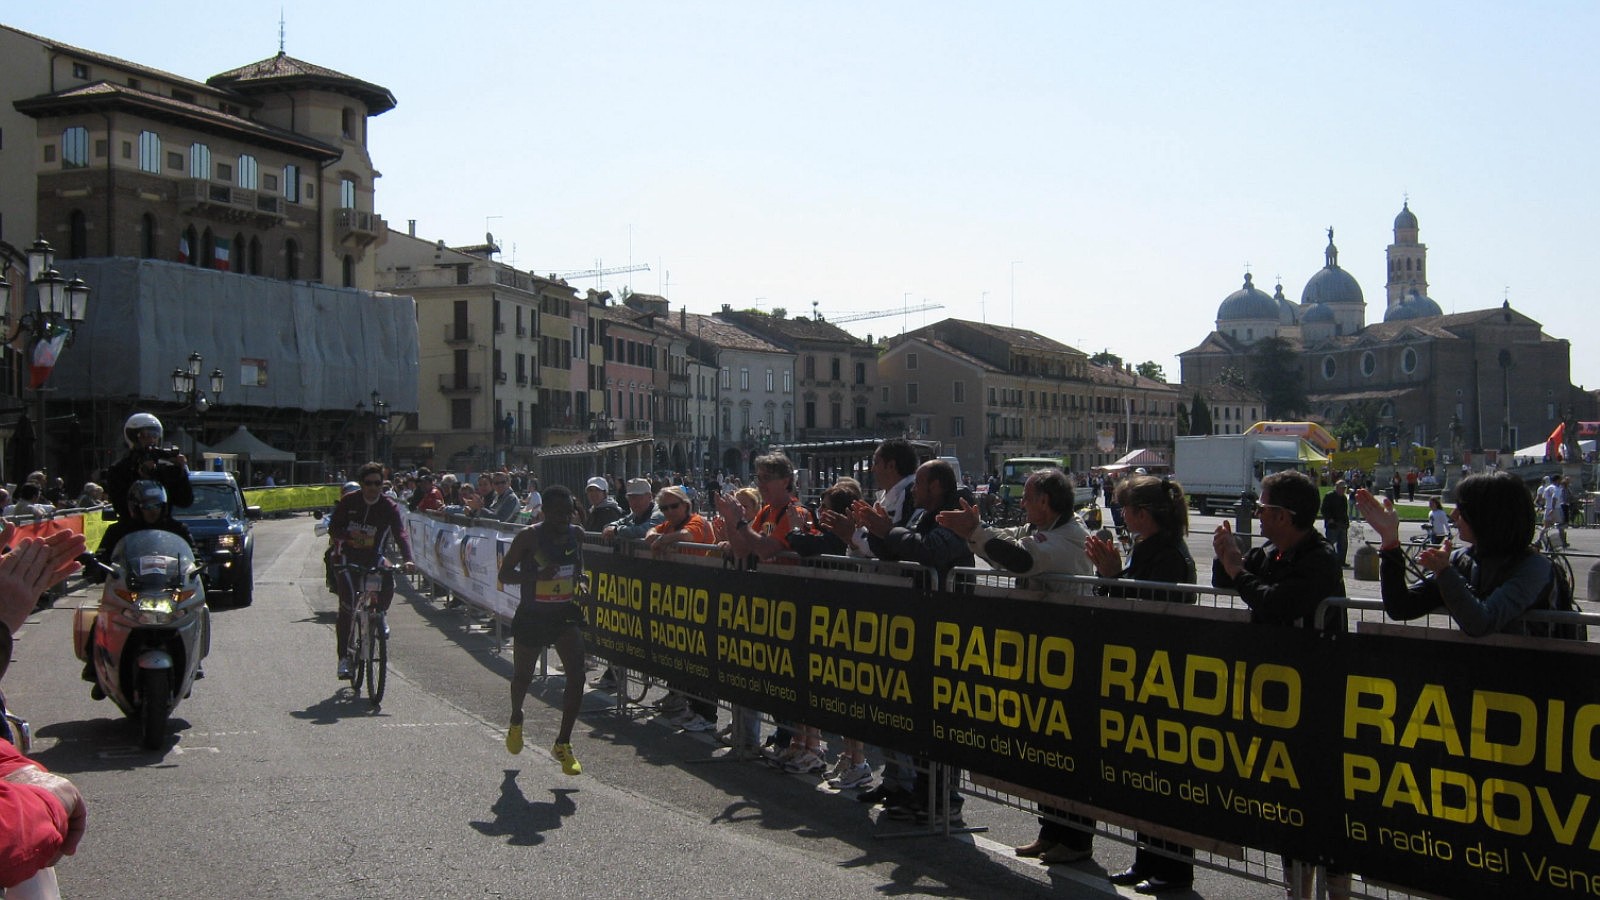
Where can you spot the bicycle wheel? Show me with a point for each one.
(377, 657)
(358, 649)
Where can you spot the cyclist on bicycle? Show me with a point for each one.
(363, 523)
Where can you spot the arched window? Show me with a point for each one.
(249, 172)
(149, 152)
(347, 193)
(199, 161)
(147, 236)
(75, 148)
(347, 122)
(291, 183)
(291, 260)
(189, 247)
(208, 250)
(77, 235)
(349, 271)
(255, 256)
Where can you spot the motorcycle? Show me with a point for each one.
(144, 641)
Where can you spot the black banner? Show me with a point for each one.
(1453, 766)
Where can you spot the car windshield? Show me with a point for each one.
(1017, 471)
(211, 501)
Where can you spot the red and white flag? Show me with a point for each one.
(222, 254)
(45, 354)
(183, 249)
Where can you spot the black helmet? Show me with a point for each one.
(147, 494)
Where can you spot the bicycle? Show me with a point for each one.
(1554, 550)
(368, 647)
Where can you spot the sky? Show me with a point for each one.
(1101, 173)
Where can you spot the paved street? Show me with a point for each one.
(279, 784)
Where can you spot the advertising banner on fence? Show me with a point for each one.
(1451, 766)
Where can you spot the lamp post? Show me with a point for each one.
(50, 321)
(380, 425)
(601, 428)
(186, 388)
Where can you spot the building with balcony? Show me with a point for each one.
(836, 374)
(987, 392)
(502, 353)
(252, 187)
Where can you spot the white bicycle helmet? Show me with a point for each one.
(140, 423)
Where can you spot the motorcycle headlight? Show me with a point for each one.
(155, 610)
(227, 542)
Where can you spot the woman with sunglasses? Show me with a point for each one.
(681, 524)
(1156, 512)
(1486, 587)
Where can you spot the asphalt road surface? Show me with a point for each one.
(278, 783)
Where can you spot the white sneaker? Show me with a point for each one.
(857, 776)
(696, 722)
(837, 770)
(806, 762)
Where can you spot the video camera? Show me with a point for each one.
(157, 454)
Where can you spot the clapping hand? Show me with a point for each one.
(1386, 522)
(963, 521)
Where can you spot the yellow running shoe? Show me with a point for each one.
(569, 763)
(514, 739)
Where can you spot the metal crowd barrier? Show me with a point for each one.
(1208, 603)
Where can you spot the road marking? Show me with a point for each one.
(424, 724)
(179, 750)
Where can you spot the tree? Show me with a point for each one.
(1152, 370)
(1359, 426)
(1106, 358)
(1275, 372)
(1199, 416)
(1183, 418)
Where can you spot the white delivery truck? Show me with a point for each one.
(1215, 469)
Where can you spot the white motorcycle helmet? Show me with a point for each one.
(140, 423)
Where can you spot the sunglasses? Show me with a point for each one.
(1265, 506)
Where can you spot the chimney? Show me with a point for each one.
(411, 227)
(683, 318)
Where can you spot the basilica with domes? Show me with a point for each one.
(1483, 379)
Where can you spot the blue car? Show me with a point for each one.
(220, 523)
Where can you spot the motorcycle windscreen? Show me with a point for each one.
(153, 560)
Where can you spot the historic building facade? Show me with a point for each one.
(1488, 379)
(987, 392)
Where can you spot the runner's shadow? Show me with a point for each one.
(521, 821)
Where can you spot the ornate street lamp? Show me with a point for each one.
(187, 390)
(50, 322)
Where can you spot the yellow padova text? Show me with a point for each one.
(1001, 706)
(758, 627)
(1267, 694)
(1202, 746)
(862, 632)
(871, 679)
(1529, 736)
(1044, 660)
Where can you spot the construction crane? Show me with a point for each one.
(875, 314)
(601, 273)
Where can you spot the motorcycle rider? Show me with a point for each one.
(148, 508)
(147, 502)
(147, 460)
(362, 523)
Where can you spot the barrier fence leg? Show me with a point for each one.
(940, 810)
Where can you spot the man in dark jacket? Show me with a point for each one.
(147, 460)
(1284, 581)
(603, 508)
(1336, 521)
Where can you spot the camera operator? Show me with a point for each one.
(147, 460)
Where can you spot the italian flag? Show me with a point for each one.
(222, 254)
(45, 354)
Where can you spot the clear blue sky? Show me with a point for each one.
(1133, 157)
